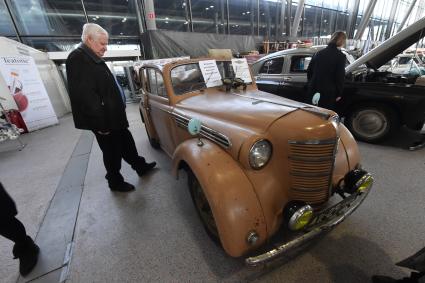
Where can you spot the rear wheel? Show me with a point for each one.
(153, 142)
(202, 206)
(373, 123)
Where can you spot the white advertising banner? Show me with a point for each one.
(27, 88)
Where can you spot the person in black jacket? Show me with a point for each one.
(326, 72)
(11, 228)
(98, 104)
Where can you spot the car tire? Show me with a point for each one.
(372, 123)
(153, 142)
(202, 207)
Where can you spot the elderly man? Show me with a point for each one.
(326, 72)
(98, 104)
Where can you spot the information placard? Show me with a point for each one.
(210, 72)
(241, 69)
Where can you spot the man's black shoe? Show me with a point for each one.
(27, 252)
(145, 168)
(122, 187)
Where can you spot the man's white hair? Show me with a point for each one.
(93, 31)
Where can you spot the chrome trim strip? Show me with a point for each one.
(306, 190)
(351, 204)
(307, 174)
(313, 142)
(310, 159)
(206, 132)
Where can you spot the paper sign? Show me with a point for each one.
(210, 72)
(241, 69)
(27, 88)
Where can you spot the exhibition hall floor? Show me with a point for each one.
(89, 234)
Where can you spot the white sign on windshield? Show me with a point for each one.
(241, 69)
(210, 72)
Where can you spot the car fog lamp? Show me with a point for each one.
(260, 154)
(357, 181)
(298, 215)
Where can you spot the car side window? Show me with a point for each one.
(299, 64)
(272, 66)
(156, 82)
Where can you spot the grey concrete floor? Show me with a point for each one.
(154, 234)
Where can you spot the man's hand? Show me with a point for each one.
(103, 133)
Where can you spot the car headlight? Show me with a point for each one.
(260, 154)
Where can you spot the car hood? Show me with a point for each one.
(239, 115)
(391, 47)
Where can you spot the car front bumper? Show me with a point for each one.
(322, 222)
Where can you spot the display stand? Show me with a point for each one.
(9, 131)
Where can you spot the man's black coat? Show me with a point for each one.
(95, 98)
(326, 74)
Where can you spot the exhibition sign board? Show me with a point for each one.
(27, 88)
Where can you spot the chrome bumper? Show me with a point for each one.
(322, 222)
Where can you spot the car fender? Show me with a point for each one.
(231, 196)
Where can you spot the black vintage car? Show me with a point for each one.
(374, 103)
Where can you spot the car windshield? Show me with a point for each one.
(188, 77)
(404, 60)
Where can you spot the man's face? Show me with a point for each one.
(98, 44)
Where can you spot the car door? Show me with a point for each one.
(294, 85)
(270, 74)
(160, 110)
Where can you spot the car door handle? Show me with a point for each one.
(287, 79)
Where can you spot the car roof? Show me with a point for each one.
(292, 51)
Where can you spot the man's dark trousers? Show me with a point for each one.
(117, 145)
(10, 227)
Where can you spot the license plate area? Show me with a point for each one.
(333, 211)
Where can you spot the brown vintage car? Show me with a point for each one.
(258, 165)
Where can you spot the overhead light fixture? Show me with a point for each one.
(207, 8)
(124, 20)
(248, 12)
(211, 6)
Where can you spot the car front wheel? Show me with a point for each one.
(372, 123)
(202, 206)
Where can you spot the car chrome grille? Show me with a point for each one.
(206, 132)
(311, 166)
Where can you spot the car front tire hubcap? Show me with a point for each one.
(370, 123)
